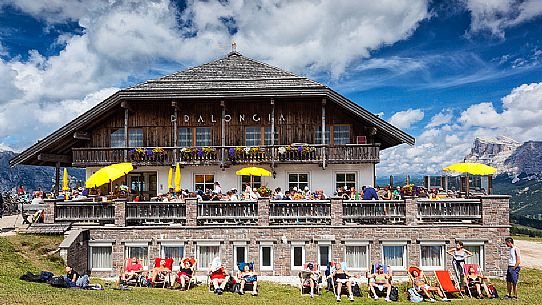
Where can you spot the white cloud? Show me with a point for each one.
(497, 15)
(448, 139)
(405, 119)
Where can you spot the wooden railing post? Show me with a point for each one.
(336, 211)
(120, 214)
(191, 212)
(411, 207)
(263, 211)
(49, 212)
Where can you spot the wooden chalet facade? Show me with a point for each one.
(230, 113)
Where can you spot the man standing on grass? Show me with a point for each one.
(512, 274)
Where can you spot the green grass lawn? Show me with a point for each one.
(22, 253)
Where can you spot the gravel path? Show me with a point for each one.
(531, 253)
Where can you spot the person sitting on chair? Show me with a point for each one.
(341, 277)
(132, 271)
(218, 276)
(421, 285)
(475, 280)
(311, 277)
(248, 276)
(160, 271)
(381, 281)
(185, 273)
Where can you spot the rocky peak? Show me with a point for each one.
(526, 159)
(492, 151)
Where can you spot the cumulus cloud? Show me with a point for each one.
(405, 119)
(497, 15)
(448, 138)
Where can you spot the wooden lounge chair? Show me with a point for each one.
(305, 276)
(387, 270)
(446, 283)
(193, 280)
(164, 281)
(411, 269)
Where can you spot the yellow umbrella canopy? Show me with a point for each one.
(169, 178)
(108, 173)
(471, 168)
(253, 171)
(65, 186)
(177, 178)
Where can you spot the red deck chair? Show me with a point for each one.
(164, 281)
(305, 283)
(192, 282)
(446, 284)
(477, 271)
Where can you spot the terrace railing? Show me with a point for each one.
(155, 213)
(290, 212)
(374, 212)
(450, 210)
(84, 212)
(212, 213)
(97, 156)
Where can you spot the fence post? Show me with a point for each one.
(49, 212)
(411, 210)
(120, 213)
(263, 211)
(336, 211)
(191, 212)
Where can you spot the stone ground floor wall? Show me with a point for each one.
(282, 239)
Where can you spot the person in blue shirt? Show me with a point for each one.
(369, 193)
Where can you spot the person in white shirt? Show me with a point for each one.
(217, 189)
(512, 273)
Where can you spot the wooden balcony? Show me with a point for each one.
(84, 212)
(374, 212)
(155, 213)
(227, 213)
(450, 211)
(288, 212)
(228, 155)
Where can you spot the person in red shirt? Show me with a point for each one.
(218, 276)
(132, 271)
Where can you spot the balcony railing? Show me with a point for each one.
(316, 154)
(155, 213)
(85, 212)
(227, 213)
(288, 212)
(450, 210)
(374, 212)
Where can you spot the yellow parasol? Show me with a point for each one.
(177, 178)
(108, 173)
(253, 171)
(169, 178)
(65, 186)
(471, 168)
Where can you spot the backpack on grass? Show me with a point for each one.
(394, 294)
(59, 282)
(414, 296)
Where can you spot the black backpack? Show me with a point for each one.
(59, 282)
(356, 291)
(31, 277)
(394, 294)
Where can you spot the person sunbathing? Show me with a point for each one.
(132, 270)
(185, 273)
(421, 285)
(248, 276)
(160, 271)
(381, 281)
(341, 277)
(311, 277)
(475, 280)
(218, 275)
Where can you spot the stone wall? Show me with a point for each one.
(74, 250)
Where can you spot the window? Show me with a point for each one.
(101, 258)
(266, 258)
(253, 136)
(356, 257)
(477, 255)
(394, 256)
(347, 180)
(256, 181)
(324, 255)
(203, 136)
(204, 182)
(175, 252)
(139, 252)
(117, 138)
(298, 180)
(319, 135)
(135, 137)
(267, 136)
(240, 255)
(206, 254)
(432, 257)
(298, 257)
(185, 137)
(341, 134)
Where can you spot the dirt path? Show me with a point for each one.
(531, 253)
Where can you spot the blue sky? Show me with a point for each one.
(445, 72)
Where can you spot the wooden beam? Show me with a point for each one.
(272, 135)
(126, 105)
(175, 130)
(57, 178)
(324, 133)
(55, 158)
(176, 105)
(81, 135)
(223, 134)
(126, 140)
